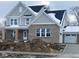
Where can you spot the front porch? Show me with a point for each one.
(15, 35)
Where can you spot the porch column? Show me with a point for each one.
(16, 37)
(61, 38)
(27, 34)
(3, 35)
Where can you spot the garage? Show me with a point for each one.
(70, 38)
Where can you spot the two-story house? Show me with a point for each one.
(25, 23)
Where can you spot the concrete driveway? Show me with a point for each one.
(70, 51)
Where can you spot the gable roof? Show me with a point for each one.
(38, 16)
(22, 5)
(36, 8)
(43, 18)
(15, 8)
(58, 13)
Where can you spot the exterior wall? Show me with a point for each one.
(9, 37)
(54, 38)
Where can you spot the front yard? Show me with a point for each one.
(35, 45)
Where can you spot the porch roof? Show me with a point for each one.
(71, 29)
(16, 27)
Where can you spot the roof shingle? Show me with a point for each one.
(58, 13)
(36, 8)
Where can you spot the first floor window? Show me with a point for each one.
(43, 32)
(38, 32)
(48, 32)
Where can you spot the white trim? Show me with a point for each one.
(61, 38)
(9, 22)
(25, 21)
(43, 23)
(13, 16)
(45, 32)
(20, 20)
(16, 27)
(14, 33)
(40, 32)
(63, 18)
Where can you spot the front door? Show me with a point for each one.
(70, 38)
(25, 35)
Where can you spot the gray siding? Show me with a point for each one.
(15, 11)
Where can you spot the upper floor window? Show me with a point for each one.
(43, 32)
(27, 21)
(14, 22)
(11, 21)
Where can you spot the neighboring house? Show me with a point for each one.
(25, 23)
(70, 28)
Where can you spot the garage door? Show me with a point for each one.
(70, 38)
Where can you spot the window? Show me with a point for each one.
(43, 32)
(38, 32)
(67, 34)
(48, 32)
(13, 21)
(27, 21)
(73, 34)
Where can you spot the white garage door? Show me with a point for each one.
(70, 38)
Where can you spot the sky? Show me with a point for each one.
(6, 6)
